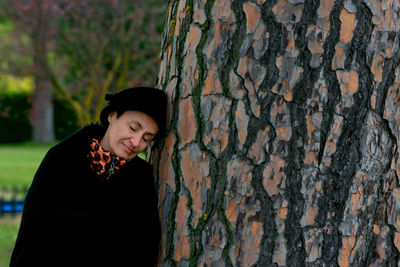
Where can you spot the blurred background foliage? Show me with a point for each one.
(77, 51)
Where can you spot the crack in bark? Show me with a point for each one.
(296, 253)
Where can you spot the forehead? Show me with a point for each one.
(136, 117)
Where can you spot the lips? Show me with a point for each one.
(127, 148)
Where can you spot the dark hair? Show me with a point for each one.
(106, 111)
(150, 101)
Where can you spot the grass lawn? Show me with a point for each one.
(18, 164)
(8, 232)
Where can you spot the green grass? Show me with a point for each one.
(8, 233)
(18, 164)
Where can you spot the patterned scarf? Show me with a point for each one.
(103, 162)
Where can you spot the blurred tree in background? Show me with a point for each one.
(79, 50)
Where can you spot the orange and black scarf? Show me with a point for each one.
(103, 162)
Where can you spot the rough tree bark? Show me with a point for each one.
(282, 148)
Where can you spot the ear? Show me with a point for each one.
(111, 116)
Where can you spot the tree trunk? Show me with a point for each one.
(282, 147)
(42, 104)
(42, 118)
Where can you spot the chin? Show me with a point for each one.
(121, 154)
(129, 156)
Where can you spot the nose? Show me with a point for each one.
(135, 140)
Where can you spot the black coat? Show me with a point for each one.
(73, 218)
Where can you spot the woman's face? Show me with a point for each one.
(129, 134)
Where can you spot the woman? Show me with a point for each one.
(92, 201)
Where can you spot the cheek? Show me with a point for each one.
(115, 138)
(143, 147)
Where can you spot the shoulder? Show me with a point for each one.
(140, 164)
(137, 172)
(138, 160)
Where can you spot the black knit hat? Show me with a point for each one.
(150, 101)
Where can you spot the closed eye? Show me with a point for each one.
(148, 138)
